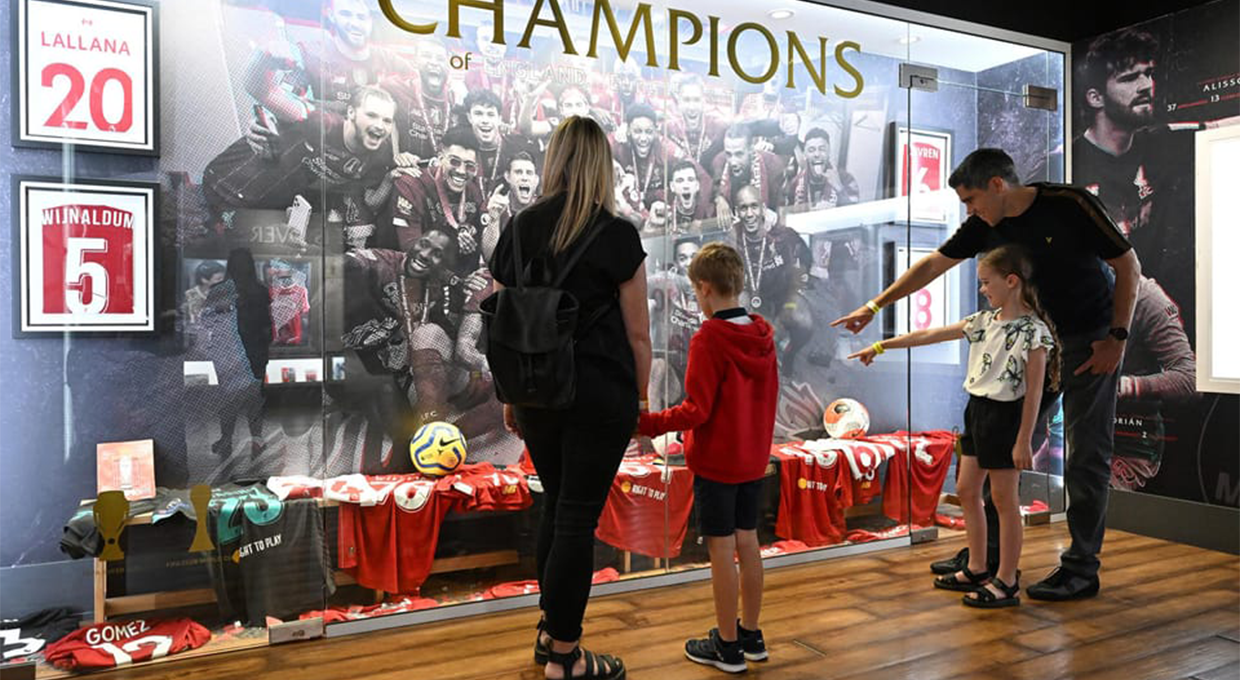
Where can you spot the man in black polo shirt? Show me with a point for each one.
(1068, 236)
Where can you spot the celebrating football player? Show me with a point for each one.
(777, 263)
(820, 184)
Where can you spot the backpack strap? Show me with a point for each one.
(584, 326)
(594, 230)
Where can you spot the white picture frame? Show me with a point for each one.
(86, 74)
(923, 163)
(933, 306)
(86, 256)
(1217, 173)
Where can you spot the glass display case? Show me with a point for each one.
(312, 235)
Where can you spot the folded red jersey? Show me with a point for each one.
(106, 645)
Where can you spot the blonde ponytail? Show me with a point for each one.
(578, 165)
(1011, 260)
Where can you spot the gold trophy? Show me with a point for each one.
(200, 496)
(111, 513)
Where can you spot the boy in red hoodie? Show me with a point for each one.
(728, 415)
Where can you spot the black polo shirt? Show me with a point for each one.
(1068, 236)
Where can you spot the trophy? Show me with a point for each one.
(111, 512)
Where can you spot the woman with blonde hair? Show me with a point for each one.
(577, 450)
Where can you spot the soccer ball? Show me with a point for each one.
(846, 419)
(437, 449)
(667, 445)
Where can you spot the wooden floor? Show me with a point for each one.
(1166, 611)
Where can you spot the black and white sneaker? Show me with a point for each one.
(712, 651)
(752, 643)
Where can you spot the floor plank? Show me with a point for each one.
(869, 617)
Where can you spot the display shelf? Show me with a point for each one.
(107, 607)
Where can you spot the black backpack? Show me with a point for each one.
(530, 333)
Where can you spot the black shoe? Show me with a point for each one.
(728, 657)
(1062, 585)
(752, 643)
(952, 564)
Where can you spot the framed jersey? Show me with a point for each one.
(86, 260)
(86, 73)
(931, 307)
(293, 289)
(921, 163)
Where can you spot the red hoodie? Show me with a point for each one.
(732, 385)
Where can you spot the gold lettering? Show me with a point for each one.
(557, 23)
(497, 15)
(400, 22)
(714, 47)
(640, 16)
(770, 41)
(676, 15)
(641, 20)
(820, 76)
(839, 57)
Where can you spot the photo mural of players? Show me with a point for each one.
(674, 318)
(1142, 92)
(399, 170)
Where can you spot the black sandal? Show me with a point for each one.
(541, 650)
(971, 582)
(595, 663)
(986, 598)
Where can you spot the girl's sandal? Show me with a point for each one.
(985, 598)
(972, 581)
(541, 649)
(598, 666)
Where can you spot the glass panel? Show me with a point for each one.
(273, 231)
(222, 394)
(980, 103)
(330, 191)
(805, 187)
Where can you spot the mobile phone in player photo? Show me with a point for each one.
(265, 118)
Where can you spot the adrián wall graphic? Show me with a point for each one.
(793, 48)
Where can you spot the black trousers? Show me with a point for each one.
(1089, 437)
(576, 459)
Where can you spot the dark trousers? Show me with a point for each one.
(1089, 435)
(576, 460)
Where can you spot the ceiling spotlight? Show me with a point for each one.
(780, 14)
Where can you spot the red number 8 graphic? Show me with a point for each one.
(923, 315)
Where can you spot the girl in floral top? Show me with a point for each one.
(1012, 352)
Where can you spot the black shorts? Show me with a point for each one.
(725, 508)
(990, 429)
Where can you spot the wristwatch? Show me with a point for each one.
(1119, 333)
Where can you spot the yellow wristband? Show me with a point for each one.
(878, 347)
(872, 307)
